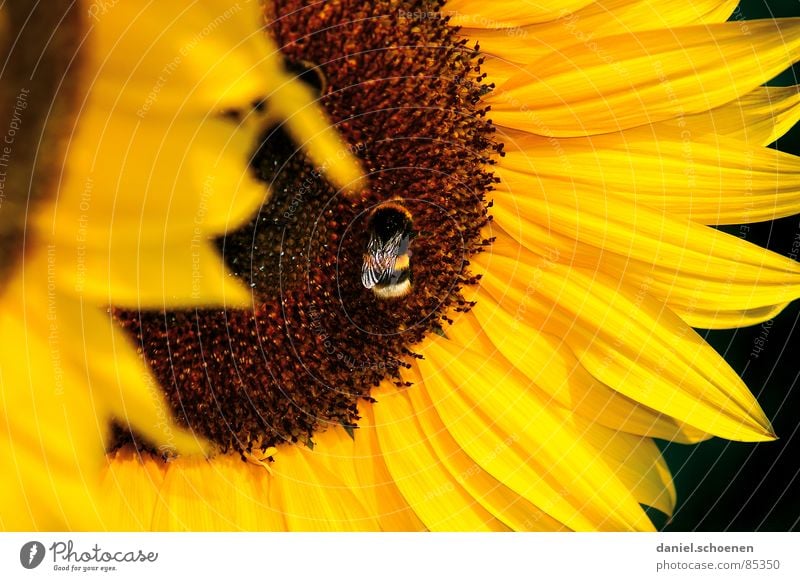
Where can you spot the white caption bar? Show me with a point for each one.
(397, 556)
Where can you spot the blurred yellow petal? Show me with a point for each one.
(53, 431)
(197, 58)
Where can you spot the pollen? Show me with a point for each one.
(404, 92)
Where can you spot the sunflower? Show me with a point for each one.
(560, 166)
(136, 170)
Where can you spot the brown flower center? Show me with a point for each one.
(404, 91)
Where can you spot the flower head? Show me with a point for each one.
(559, 167)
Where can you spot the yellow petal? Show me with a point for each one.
(555, 370)
(631, 342)
(756, 118)
(505, 13)
(514, 435)
(312, 498)
(52, 431)
(505, 504)
(438, 499)
(117, 377)
(185, 174)
(313, 132)
(636, 461)
(130, 490)
(706, 178)
(155, 64)
(633, 79)
(722, 319)
(361, 467)
(199, 57)
(152, 275)
(525, 44)
(681, 261)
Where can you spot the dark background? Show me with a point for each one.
(733, 486)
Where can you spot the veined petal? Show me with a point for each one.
(515, 233)
(131, 485)
(313, 498)
(676, 254)
(555, 370)
(756, 118)
(505, 504)
(636, 461)
(514, 435)
(631, 342)
(507, 13)
(524, 44)
(222, 493)
(727, 319)
(358, 462)
(644, 77)
(438, 499)
(706, 178)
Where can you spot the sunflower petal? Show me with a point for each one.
(200, 57)
(438, 499)
(629, 341)
(117, 376)
(636, 461)
(512, 433)
(679, 259)
(130, 486)
(727, 319)
(639, 78)
(358, 462)
(185, 175)
(756, 118)
(555, 370)
(212, 495)
(505, 504)
(313, 498)
(153, 276)
(52, 432)
(318, 138)
(595, 20)
(507, 13)
(704, 178)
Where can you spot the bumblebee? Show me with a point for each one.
(387, 260)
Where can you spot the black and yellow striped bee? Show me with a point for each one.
(387, 261)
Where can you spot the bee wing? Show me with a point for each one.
(379, 259)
